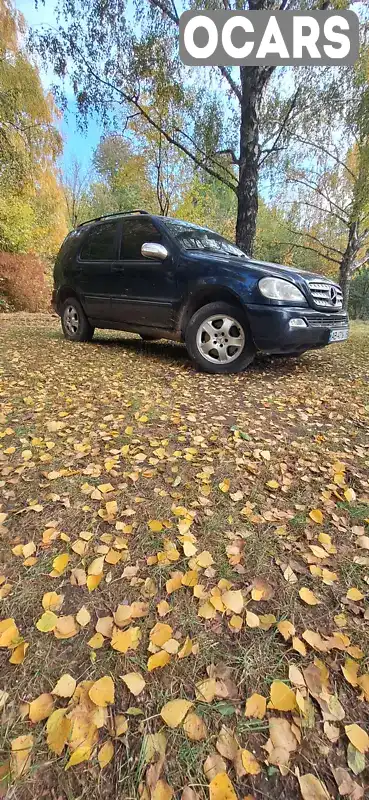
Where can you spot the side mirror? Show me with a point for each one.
(153, 250)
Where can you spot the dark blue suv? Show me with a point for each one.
(165, 278)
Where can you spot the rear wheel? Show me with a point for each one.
(76, 327)
(218, 338)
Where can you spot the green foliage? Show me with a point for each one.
(359, 295)
(31, 205)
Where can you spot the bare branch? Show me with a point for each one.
(173, 15)
(234, 86)
(327, 153)
(308, 247)
(229, 152)
(134, 100)
(317, 189)
(283, 126)
(318, 241)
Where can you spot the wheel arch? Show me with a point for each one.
(63, 294)
(203, 296)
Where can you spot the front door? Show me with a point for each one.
(144, 289)
(94, 276)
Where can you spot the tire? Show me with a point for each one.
(237, 355)
(76, 327)
(147, 338)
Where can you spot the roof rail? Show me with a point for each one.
(114, 214)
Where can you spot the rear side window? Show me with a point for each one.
(135, 232)
(100, 243)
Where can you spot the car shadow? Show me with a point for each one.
(170, 351)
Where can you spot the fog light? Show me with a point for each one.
(297, 322)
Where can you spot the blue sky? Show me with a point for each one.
(77, 145)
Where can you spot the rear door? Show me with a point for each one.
(94, 276)
(144, 289)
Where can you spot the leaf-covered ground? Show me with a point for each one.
(172, 536)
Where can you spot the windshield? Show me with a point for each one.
(192, 237)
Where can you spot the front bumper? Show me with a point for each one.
(272, 333)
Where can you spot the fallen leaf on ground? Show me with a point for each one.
(174, 712)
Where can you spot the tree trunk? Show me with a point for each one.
(347, 263)
(253, 80)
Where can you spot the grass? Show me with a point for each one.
(299, 417)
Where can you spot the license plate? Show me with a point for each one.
(339, 335)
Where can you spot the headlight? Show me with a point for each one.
(278, 289)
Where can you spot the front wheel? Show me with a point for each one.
(76, 327)
(218, 338)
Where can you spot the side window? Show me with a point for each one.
(100, 243)
(136, 231)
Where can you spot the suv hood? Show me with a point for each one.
(263, 268)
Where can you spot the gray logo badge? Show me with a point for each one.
(267, 38)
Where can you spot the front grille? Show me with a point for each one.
(326, 295)
(328, 321)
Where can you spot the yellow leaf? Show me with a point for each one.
(19, 653)
(204, 559)
(350, 671)
(20, 757)
(286, 629)
(354, 594)
(81, 753)
(282, 697)
(174, 712)
(224, 485)
(195, 728)
(308, 597)
(52, 601)
(105, 754)
(255, 706)
(60, 563)
(47, 622)
(162, 791)
(96, 566)
(58, 729)
(252, 620)
(250, 764)
(221, 788)
(272, 485)
(41, 708)
(311, 788)
(186, 648)
(358, 737)
(233, 601)
(316, 515)
(102, 692)
(174, 583)
(135, 682)
(155, 526)
(207, 611)
(96, 641)
(126, 640)
(83, 616)
(350, 495)
(120, 725)
(93, 581)
(299, 646)
(160, 659)
(66, 627)
(163, 608)
(111, 508)
(65, 686)
(236, 622)
(206, 690)
(160, 634)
